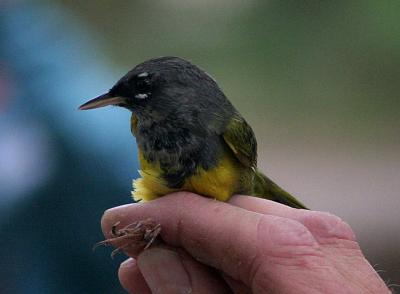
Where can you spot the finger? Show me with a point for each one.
(321, 224)
(131, 278)
(218, 234)
(168, 270)
(203, 278)
(236, 286)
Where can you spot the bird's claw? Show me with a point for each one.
(134, 237)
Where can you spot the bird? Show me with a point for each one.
(190, 137)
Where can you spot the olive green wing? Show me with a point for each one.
(240, 138)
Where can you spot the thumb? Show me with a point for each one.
(172, 270)
(163, 271)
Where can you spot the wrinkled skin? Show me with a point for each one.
(256, 245)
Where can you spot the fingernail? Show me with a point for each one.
(129, 263)
(163, 271)
(112, 216)
(117, 210)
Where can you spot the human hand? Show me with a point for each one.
(249, 245)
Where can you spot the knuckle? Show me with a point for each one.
(283, 243)
(327, 225)
(285, 237)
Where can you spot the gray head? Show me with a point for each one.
(159, 86)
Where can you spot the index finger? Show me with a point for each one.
(221, 235)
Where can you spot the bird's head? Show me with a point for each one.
(160, 86)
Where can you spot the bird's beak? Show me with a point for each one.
(102, 100)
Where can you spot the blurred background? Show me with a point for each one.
(318, 81)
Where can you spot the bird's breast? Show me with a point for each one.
(219, 182)
(176, 156)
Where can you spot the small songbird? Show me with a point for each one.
(189, 136)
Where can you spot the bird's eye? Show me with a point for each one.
(143, 85)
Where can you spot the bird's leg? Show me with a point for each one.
(134, 237)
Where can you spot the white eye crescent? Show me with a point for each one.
(143, 75)
(143, 85)
(141, 96)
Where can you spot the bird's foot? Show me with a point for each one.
(134, 237)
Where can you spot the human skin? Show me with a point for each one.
(248, 245)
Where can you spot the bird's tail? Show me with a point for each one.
(265, 188)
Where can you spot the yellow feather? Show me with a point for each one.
(219, 182)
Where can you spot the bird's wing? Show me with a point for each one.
(240, 138)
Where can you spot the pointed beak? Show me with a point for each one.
(102, 100)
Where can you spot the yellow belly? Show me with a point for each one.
(220, 182)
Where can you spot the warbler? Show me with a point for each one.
(189, 135)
